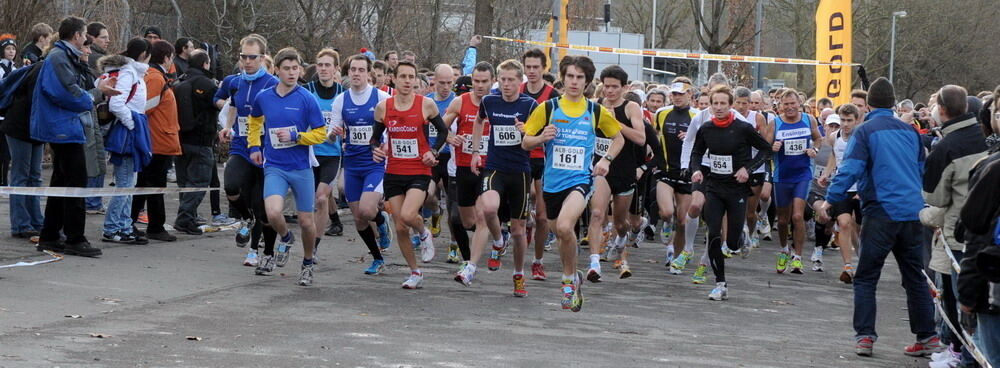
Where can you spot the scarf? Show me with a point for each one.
(252, 77)
(724, 123)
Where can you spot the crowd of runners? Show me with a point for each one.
(530, 162)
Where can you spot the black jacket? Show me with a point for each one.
(979, 218)
(196, 112)
(17, 119)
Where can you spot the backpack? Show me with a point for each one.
(10, 84)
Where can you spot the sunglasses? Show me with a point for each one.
(249, 56)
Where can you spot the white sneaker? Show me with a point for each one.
(721, 292)
(427, 247)
(817, 259)
(251, 259)
(594, 273)
(416, 281)
(465, 274)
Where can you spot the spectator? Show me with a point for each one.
(97, 32)
(197, 116)
(183, 47)
(129, 68)
(25, 211)
(57, 105)
(8, 51)
(885, 158)
(97, 157)
(409, 56)
(40, 36)
(161, 109)
(391, 58)
(152, 34)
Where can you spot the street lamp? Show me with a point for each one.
(892, 42)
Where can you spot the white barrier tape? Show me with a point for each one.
(74, 192)
(947, 250)
(673, 54)
(960, 333)
(55, 258)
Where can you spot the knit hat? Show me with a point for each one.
(881, 94)
(152, 30)
(7, 39)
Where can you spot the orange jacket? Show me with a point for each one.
(161, 109)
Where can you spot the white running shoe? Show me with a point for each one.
(465, 274)
(306, 275)
(251, 259)
(817, 259)
(427, 247)
(594, 273)
(415, 281)
(721, 292)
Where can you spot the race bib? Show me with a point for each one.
(328, 119)
(241, 126)
(404, 148)
(818, 171)
(795, 147)
(568, 158)
(601, 148)
(432, 132)
(360, 135)
(273, 133)
(484, 142)
(722, 165)
(506, 135)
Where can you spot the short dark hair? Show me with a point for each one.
(70, 26)
(199, 58)
(182, 42)
(403, 63)
(378, 64)
(94, 28)
(135, 47)
(484, 66)
(355, 57)
(538, 54)
(160, 51)
(386, 55)
(824, 101)
(579, 61)
(615, 72)
(849, 109)
(287, 54)
(859, 93)
(953, 100)
(548, 77)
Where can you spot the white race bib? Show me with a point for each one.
(722, 165)
(360, 135)
(273, 133)
(484, 142)
(506, 135)
(432, 131)
(568, 158)
(601, 147)
(818, 171)
(241, 126)
(795, 147)
(404, 148)
(328, 119)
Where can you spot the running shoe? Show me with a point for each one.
(863, 346)
(493, 264)
(549, 240)
(763, 225)
(817, 259)
(640, 235)
(415, 281)
(266, 266)
(537, 272)
(505, 239)
(427, 247)
(847, 276)
(283, 250)
(721, 292)
(376, 268)
(436, 224)
(726, 252)
(624, 271)
(519, 290)
(699, 275)
(243, 234)
(746, 245)
(670, 257)
(143, 218)
(755, 240)
(680, 262)
(453, 253)
(584, 241)
(306, 275)
(666, 231)
(924, 347)
(572, 293)
(568, 290)
(797, 265)
(384, 232)
(415, 241)
(251, 259)
(465, 274)
(594, 273)
(222, 220)
(782, 262)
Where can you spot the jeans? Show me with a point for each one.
(879, 237)
(25, 171)
(94, 203)
(987, 337)
(194, 170)
(69, 169)
(118, 217)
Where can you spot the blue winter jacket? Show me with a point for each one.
(886, 159)
(60, 97)
(135, 143)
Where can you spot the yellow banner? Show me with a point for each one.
(833, 45)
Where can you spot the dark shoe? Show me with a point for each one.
(118, 237)
(188, 229)
(50, 245)
(162, 236)
(139, 239)
(82, 249)
(335, 229)
(137, 232)
(26, 234)
(294, 219)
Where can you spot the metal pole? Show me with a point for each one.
(703, 64)
(758, 81)
(892, 48)
(652, 38)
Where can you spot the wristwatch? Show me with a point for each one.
(609, 157)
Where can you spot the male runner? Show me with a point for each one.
(353, 117)
(763, 224)
(673, 187)
(535, 64)
(759, 176)
(409, 157)
(795, 136)
(328, 153)
(847, 213)
(444, 81)
(506, 173)
(567, 127)
(290, 120)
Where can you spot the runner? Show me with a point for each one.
(505, 175)
(795, 136)
(759, 176)
(726, 141)
(244, 179)
(353, 117)
(763, 224)
(290, 120)
(405, 117)
(619, 184)
(328, 153)
(568, 126)
(673, 187)
(444, 81)
(535, 64)
(847, 213)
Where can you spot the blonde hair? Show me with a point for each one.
(511, 64)
(255, 39)
(331, 53)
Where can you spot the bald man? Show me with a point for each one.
(444, 81)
